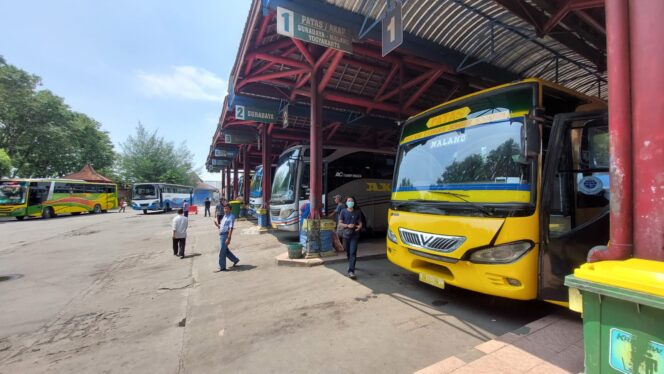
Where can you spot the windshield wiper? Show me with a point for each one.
(462, 197)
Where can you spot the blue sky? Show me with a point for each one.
(163, 63)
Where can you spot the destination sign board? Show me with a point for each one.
(313, 30)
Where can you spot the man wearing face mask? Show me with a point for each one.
(350, 221)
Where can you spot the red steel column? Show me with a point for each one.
(222, 191)
(316, 151)
(647, 73)
(245, 164)
(267, 166)
(620, 132)
(236, 187)
(228, 183)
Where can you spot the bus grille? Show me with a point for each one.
(434, 242)
(6, 209)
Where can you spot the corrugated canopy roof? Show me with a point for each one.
(451, 48)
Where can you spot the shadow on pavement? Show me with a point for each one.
(478, 313)
(192, 255)
(243, 267)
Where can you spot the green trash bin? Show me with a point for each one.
(623, 315)
(294, 250)
(235, 207)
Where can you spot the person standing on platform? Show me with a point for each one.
(350, 221)
(185, 207)
(179, 225)
(207, 207)
(225, 233)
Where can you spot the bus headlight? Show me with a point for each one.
(285, 213)
(391, 236)
(501, 254)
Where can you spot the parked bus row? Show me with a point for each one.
(503, 191)
(47, 198)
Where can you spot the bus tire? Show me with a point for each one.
(48, 213)
(97, 209)
(145, 211)
(20, 218)
(167, 208)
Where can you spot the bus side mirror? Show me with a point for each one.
(533, 138)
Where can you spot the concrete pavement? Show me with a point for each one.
(104, 294)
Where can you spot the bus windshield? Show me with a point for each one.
(12, 192)
(256, 187)
(283, 187)
(471, 151)
(144, 191)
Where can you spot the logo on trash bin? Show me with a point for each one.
(630, 354)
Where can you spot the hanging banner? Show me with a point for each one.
(392, 28)
(313, 30)
(253, 109)
(225, 151)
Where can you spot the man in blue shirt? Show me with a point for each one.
(225, 226)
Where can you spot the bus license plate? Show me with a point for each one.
(432, 280)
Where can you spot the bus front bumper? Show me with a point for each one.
(517, 280)
(9, 211)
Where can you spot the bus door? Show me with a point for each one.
(111, 197)
(574, 213)
(37, 194)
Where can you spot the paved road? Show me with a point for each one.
(103, 293)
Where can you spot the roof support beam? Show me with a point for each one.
(530, 14)
(330, 71)
(305, 52)
(590, 20)
(411, 83)
(269, 76)
(423, 88)
(259, 39)
(569, 6)
(279, 60)
(270, 64)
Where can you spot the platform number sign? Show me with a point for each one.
(285, 22)
(392, 27)
(240, 112)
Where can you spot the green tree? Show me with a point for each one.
(41, 134)
(471, 169)
(5, 163)
(147, 157)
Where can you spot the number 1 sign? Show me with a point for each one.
(392, 28)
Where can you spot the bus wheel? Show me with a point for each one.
(145, 211)
(20, 218)
(167, 208)
(97, 209)
(48, 213)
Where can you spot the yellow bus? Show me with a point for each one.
(503, 191)
(48, 198)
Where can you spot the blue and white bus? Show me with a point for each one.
(160, 196)
(256, 190)
(358, 172)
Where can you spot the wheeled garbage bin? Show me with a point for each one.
(623, 315)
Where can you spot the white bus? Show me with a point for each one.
(361, 173)
(160, 196)
(256, 190)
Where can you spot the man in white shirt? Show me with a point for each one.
(180, 223)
